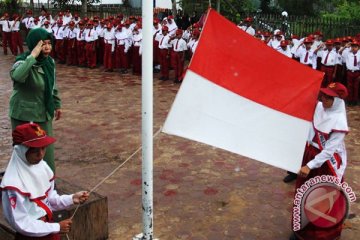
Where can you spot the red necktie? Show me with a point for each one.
(326, 58)
(57, 31)
(306, 57)
(162, 40)
(8, 24)
(89, 33)
(355, 61)
(176, 44)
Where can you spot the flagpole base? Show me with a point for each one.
(140, 236)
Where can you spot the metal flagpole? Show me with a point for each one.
(147, 121)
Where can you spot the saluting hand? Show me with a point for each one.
(37, 49)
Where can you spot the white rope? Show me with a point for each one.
(110, 174)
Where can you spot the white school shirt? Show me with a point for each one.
(6, 25)
(90, 35)
(179, 45)
(194, 46)
(70, 34)
(109, 38)
(35, 25)
(27, 21)
(121, 38)
(66, 19)
(80, 34)
(15, 26)
(250, 30)
(172, 27)
(286, 52)
(164, 42)
(348, 58)
(48, 29)
(22, 214)
(158, 36)
(274, 43)
(58, 32)
(311, 60)
(331, 57)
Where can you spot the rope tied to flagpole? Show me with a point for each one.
(112, 173)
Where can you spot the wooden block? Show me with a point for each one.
(89, 223)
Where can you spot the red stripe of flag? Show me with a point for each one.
(231, 58)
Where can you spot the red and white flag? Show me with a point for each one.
(242, 96)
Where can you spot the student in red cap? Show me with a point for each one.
(28, 194)
(306, 54)
(70, 34)
(16, 39)
(325, 152)
(164, 54)
(328, 59)
(351, 56)
(6, 32)
(109, 47)
(122, 44)
(285, 49)
(179, 48)
(247, 27)
(137, 50)
(59, 31)
(80, 44)
(90, 38)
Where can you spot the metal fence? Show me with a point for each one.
(303, 25)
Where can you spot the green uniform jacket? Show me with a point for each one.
(27, 99)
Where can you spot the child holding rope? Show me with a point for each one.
(28, 194)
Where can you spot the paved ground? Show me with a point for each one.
(199, 192)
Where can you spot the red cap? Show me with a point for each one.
(120, 26)
(337, 40)
(279, 33)
(196, 25)
(60, 14)
(170, 17)
(90, 23)
(308, 40)
(165, 28)
(156, 21)
(76, 15)
(127, 22)
(318, 32)
(355, 43)
(329, 42)
(59, 21)
(179, 32)
(31, 135)
(36, 19)
(283, 43)
(81, 22)
(28, 11)
(196, 32)
(86, 19)
(294, 36)
(6, 15)
(71, 24)
(335, 90)
(248, 19)
(111, 17)
(266, 34)
(46, 22)
(109, 25)
(120, 15)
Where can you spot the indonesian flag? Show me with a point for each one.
(242, 96)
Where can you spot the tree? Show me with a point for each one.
(62, 4)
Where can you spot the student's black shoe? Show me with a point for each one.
(290, 177)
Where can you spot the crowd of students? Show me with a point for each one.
(114, 42)
(338, 58)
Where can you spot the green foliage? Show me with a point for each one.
(9, 6)
(65, 4)
(345, 9)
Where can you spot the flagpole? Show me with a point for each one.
(147, 121)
